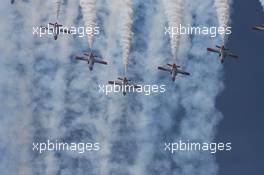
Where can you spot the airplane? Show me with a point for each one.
(56, 29)
(125, 83)
(12, 1)
(259, 27)
(223, 52)
(91, 59)
(174, 70)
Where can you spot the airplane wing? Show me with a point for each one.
(260, 28)
(43, 27)
(46, 28)
(233, 55)
(100, 61)
(213, 50)
(134, 85)
(65, 31)
(80, 58)
(137, 86)
(183, 72)
(115, 82)
(163, 68)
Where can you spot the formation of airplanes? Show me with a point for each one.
(173, 69)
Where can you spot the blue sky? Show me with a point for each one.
(242, 100)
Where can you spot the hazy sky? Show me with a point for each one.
(46, 94)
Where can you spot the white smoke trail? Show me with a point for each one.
(174, 11)
(223, 13)
(36, 96)
(262, 3)
(89, 14)
(196, 97)
(58, 7)
(126, 29)
(130, 129)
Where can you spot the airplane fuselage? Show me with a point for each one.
(125, 85)
(173, 73)
(90, 61)
(56, 31)
(222, 54)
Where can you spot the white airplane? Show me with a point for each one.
(56, 29)
(223, 52)
(125, 84)
(259, 27)
(91, 59)
(173, 69)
